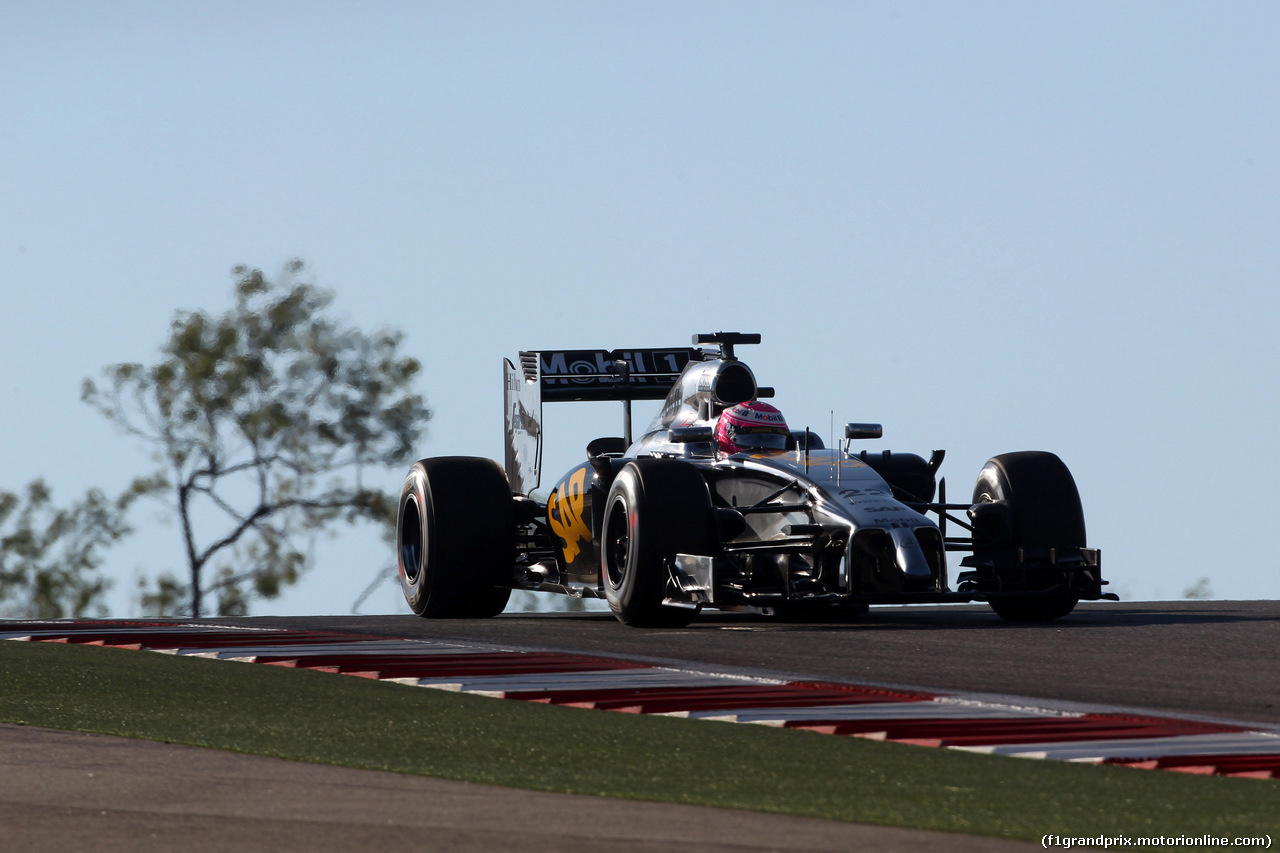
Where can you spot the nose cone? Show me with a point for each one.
(910, 556)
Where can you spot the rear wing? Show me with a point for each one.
(566, 375)
(588, 374)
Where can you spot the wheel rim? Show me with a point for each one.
(411, 539)
(618, 543)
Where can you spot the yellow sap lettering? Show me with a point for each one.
(565, 514)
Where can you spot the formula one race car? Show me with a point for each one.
(719, 505)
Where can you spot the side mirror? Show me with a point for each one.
(690, 435)
(863, 431)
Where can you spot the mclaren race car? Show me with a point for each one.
(718, 505)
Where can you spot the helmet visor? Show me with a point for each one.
(760, 438)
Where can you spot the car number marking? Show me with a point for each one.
(853, 495)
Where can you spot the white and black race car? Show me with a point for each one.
(691, 516)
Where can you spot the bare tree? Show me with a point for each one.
(263, 420)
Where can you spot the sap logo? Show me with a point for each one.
(564, 514)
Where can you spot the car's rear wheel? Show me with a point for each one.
(1044, 512)
(456, 537)
(656, 508)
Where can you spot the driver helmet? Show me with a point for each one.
(751, 427)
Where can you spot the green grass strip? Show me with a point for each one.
(356, 722)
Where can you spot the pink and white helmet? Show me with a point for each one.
(751, 427)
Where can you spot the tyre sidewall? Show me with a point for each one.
(622, 514)
(412, 562)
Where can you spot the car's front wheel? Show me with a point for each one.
(1044, 512)
(456, 537)
(656, 508)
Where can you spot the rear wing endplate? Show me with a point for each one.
(522, 406)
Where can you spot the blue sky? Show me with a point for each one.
(988, 226)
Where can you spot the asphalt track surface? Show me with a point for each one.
(63, 790)
(1216, 659)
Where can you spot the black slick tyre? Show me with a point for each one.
(456, 538)
(1044, 512)
(656, 508)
